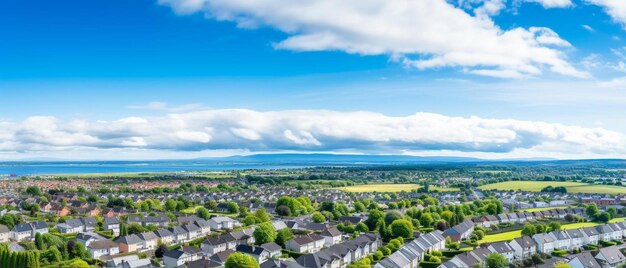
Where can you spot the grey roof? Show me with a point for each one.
(129, 239)
(271, 247)
(612, 255)
(103, 244)
(587, 260)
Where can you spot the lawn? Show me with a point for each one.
(506, 236)
(572, 187)
(543, 209)
(390, 188)
(190, 210)
(614, 220)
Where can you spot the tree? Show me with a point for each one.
(375, 216)
(562, 265)
(203, 213)
(33, 190)
(264, 233)
(555, 226)
(283, 235)
(529, 230)
(161, 249)
(592, 210)
(401, 228)
(79, 264)
(170, 204)
(318, 217)
(54, 255)
(495, 260)
(604, 217)
(233, 207)
(135, 228)
(241, 260)
(392, 216)
(262, 215)
(361, 227)
(39, 242)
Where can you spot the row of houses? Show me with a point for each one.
(522, 217)
(23, 231)
(178, 234)
(409, 255)
(342, 254)
(524, 247)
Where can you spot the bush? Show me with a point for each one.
(428, 264)
(607, 244)
(559, 253)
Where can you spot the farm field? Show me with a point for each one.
(572, 187)
(389, 188)
(506, 236)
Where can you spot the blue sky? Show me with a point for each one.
(500, 72)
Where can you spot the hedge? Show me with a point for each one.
(429, 264)
(452, 253)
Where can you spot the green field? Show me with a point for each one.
(506, 236)
(544, 209)
(572, 187)
(614, 220)
(190, 210)
(390, 188)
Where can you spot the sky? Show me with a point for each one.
(154, 79)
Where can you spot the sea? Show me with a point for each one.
(14, 169)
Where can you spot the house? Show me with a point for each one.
(150, 240)
(545, 242)
(165, 236)
(259, 253)
(159, 220)
(221, 257)
(583, 260)
(562, 239)
(503, 249)
(4, 234)
(460, 231)
(179, 234)
(350, 219)
(112, 224)
(177, 257)
(222, 223)
(205, 263)
(86, 238)
(101, 248)
(331, 236)
(27, 231)
(524, 247)
(577, 238)
(214, 245)
(605, 233)
(77, 225)
(591, 235)
(610, 257)
(306, 243)
(130, 243)
(273, 249)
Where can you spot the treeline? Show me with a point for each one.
(18, 259)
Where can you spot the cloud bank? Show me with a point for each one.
(421, 34)
(307, 131)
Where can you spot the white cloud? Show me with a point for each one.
(615, 8)
(588, 28)
(421, 34)
(308, 130)
(552, 3)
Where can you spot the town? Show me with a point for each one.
(316, 217)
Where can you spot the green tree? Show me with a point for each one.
(555, 226)
(529, 230)
(401, 228)
(233, 207)
(592, 210)
(203, 213)
(79, 264)
(495, 260)
(604, 217)
(392, 216)
(318, 217)
(33, 190)
(241, 260)
(361, 227)
(39, 242)
(262, 215)
(264, 233)
(562, 265)
(283, 235)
